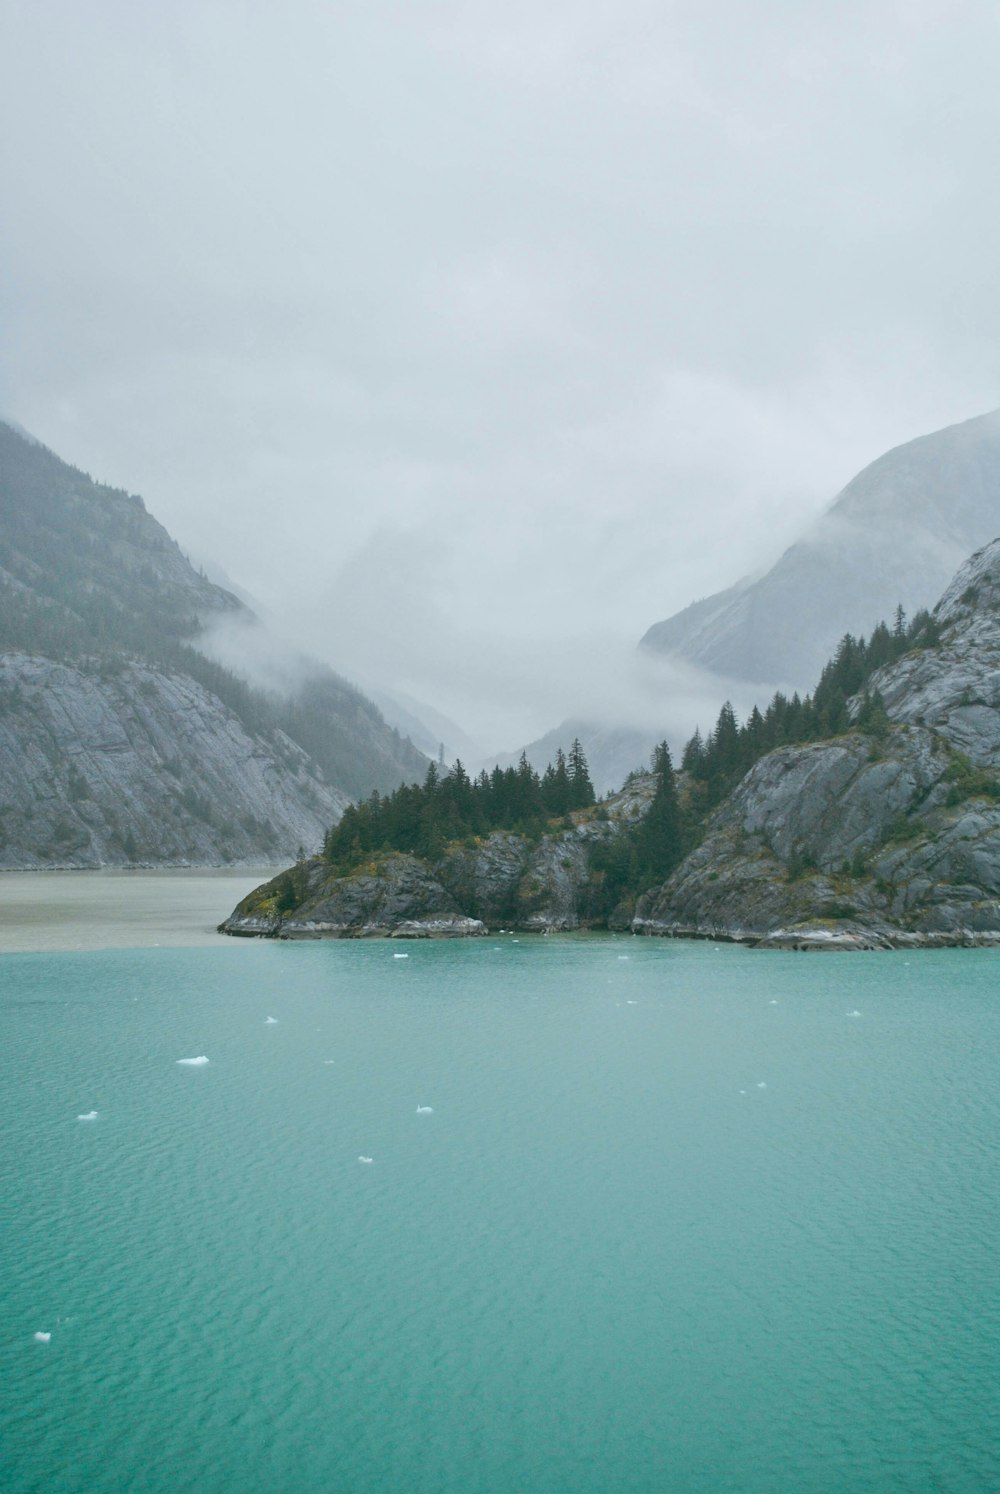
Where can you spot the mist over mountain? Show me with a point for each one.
(612, 752)
(895, 535)
(120, 738)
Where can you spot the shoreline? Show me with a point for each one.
(83, 909)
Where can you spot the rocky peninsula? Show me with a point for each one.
(501, 880)
(876, 838)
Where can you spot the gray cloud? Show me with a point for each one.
(475, 338)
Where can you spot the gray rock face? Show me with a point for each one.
(891, 841)
(896, 534)
(501, 881)
(139, 765)
(397, 897)
(118, 738)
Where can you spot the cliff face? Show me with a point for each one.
(869, 840)
(120, 740)
(501, 881)
(895, 534)
(141, 765)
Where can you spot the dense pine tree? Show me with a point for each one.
(423, 819)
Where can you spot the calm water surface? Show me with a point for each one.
(679, 1218)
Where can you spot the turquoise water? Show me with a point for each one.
(606, 1260)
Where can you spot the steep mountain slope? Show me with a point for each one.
(119, 739)
(869, 839)
(894, 535)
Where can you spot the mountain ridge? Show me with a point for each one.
(101, 616)
(894, 535)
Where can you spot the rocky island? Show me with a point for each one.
(884, 833)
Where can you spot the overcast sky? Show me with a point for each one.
(475, 338)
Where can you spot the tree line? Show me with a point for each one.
(716, 763)
(448, 806)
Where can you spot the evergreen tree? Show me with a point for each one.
(581, 790)
(659, 842)
(693, 760)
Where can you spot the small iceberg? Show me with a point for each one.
(91, 1115)
(366, 1160)
(194, 1063)
(42, 1338)
(271, 1022)
(425, 1109)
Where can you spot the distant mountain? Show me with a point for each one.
(119, 739)
(426, 727)
(895, 535)
(612, 752)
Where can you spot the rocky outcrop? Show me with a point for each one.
(395, 896)
(867, 841)
(136, 765)
(502, 880)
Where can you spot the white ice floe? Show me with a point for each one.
(194, 1063)
(366, 1160)
(425, 1109)
(271, 1022)
(42, 1338)
(91, 1115)
(401, 957)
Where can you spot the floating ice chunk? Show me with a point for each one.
(42, 1338)
(367, 1160)
(761, 1084)
(194, 1063)
(91, 1115)
(854, 1014)
(401, 957)
(271, 1022)
(425, 1109)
